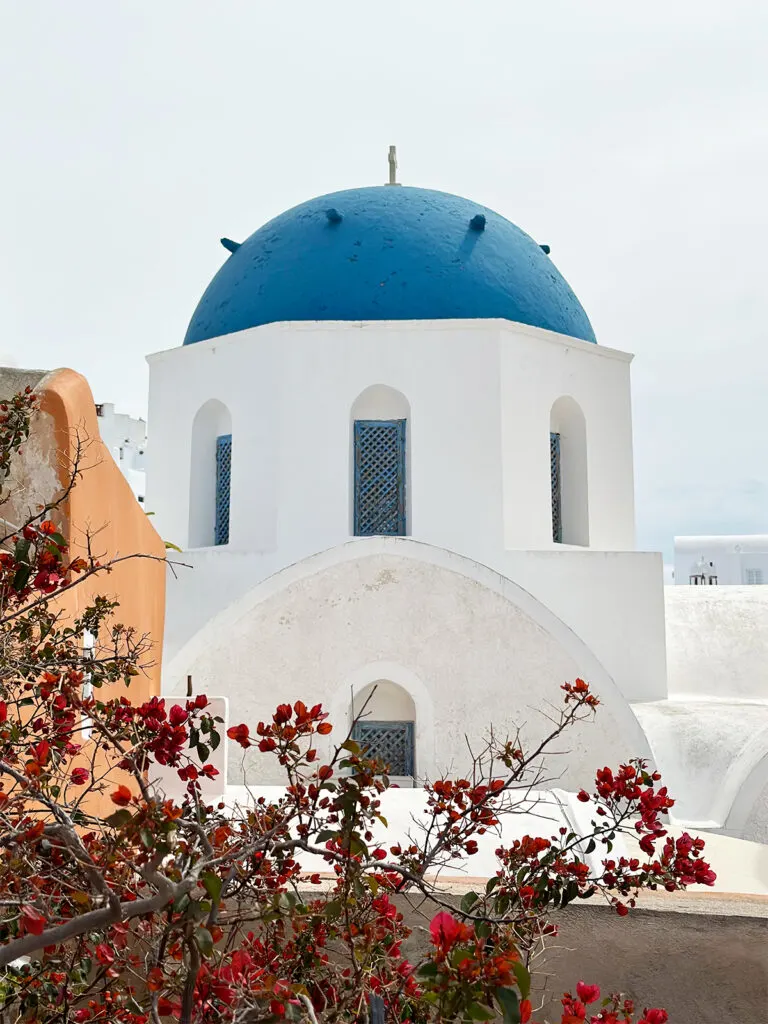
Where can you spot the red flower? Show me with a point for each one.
(80, 776)
(188, 773)
(239, 733)
(654, 1017)
(325, 772)
(33, 920)
(380, 854)
(587, 993)
(282, 714)
(121, 796)
(104, 954)
(209, 771)
(47, 527)
(583, 795)
(621, 909)
(525, 1011)
(446, 931)
(324, 728)
(177, 715)
(3, 711)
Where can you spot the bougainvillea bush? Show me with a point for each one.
(159, 910)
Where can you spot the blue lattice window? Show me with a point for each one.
(223, 477)
(379, 477)
(390, 742)
(554, 472)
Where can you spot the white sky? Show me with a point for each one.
(632, 138)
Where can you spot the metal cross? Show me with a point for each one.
(392, 165)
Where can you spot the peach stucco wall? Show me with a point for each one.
(103, 505)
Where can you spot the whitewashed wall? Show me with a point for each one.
(467, 646)
(480, 398)
(480, 395)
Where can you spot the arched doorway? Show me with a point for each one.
(384, 717)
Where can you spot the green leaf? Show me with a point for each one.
(468, 901)
(491, 884)
(570, 893)
(147, 838)
(509, 1005)
(204, 941)
(333, 910)
(215, 739)
(194, 736)
(357, 847)
(351, 746)
(119, 818)
(172, 547)
(428, 970)
(523, 978)
(203, 752)
(213, 885)
(475, 1011)
(590, 846)
(22, 576)
(325, 835)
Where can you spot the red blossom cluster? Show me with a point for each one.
(614, 1009)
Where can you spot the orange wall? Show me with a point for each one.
(103, 504)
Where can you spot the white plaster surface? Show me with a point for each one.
(479, 393)
(717, 642)
(470, 647)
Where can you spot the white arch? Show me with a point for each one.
(567, 419)
(353, 686)
(381, 402)
(589, 665)
(211, 421)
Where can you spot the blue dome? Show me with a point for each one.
(387, 253)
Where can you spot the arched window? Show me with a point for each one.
(210, 476)
(386, 728)
(568, 473)
(380, 462)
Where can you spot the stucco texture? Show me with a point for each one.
(469, 651)
(101, 505)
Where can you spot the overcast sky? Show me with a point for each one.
(633, 138)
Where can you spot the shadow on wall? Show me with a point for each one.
(567, 423)
(212, 421)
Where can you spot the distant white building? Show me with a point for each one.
(723, 560)
(126, 439)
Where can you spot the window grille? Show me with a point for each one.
(754, 576)
(379, 477)
(554, 472)
(390, 742)
(223, 476)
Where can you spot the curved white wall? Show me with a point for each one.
(467, 646)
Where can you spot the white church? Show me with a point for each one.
(395, 455)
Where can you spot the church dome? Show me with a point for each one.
(387, 252)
